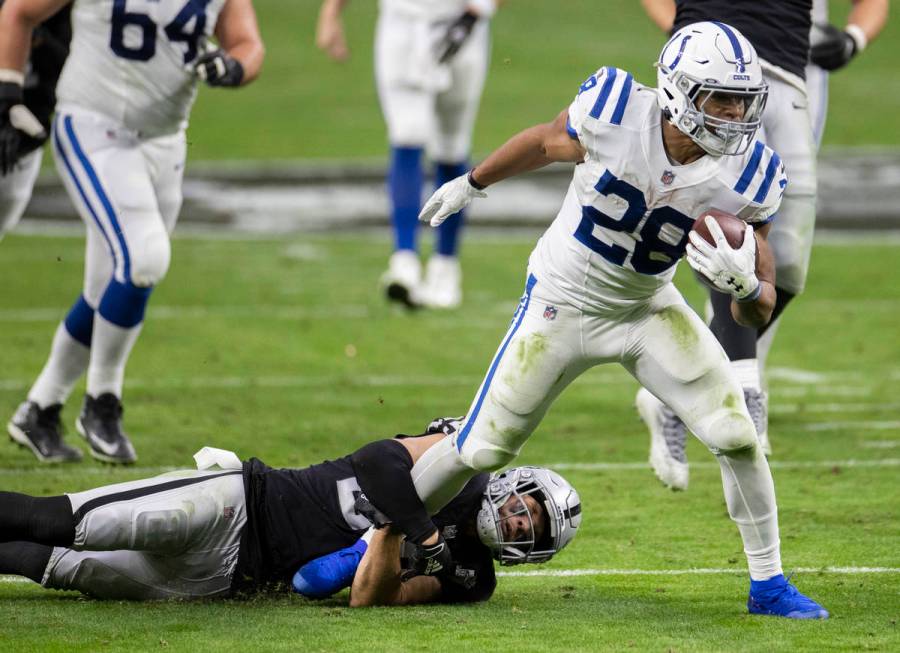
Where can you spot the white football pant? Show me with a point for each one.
(15, 189)
(128, 192)
(173, 536)
(426, 104)
(667, 348)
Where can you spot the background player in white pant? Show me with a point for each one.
(431, 59)
(599, 287)
(21, 147)
(792, 126)
(118, 138)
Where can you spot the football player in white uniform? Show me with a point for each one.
(431, 59)
(786, 35)
(123, 101)
(599, 285)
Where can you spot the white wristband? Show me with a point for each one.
(484, 8)
(13, 76)
(858, 35)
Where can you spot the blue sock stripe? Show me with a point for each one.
(405, 181)
(57, 141)
(449, 231)
(517, 321)
(101, 194)
(124, 304)
(79, 321)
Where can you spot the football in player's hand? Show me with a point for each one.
(732, 226)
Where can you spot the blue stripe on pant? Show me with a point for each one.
(516, 323)
(101, 195)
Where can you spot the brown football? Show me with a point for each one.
(732, 226)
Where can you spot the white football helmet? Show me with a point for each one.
(708, 64)
(560, 503)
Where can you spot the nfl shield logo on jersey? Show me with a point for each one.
(550, 313)
(667, 177)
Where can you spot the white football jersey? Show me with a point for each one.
(625, 220)
(430, 10)
(131, 60)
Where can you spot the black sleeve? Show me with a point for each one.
(382, 470)
(482, 590)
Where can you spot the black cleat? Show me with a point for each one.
(100, 423)
(40, 429)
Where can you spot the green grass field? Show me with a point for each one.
(283, 349)
(304, 105)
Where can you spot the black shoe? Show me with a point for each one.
(100, 423)
(40, 429)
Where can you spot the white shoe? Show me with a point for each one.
(443, 282)
(758, 406)
(403, 279)
(667, 439)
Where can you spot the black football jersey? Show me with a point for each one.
(778, 29)
(296, 515)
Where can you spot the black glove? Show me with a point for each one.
(18, 125)
(445, 425)
(10, 95)
(456, 35)
(218, 68)
(831, 48)
(365, 508)
(423, 560)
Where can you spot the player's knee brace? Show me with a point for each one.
(728, 430)
(150, 264)
(485, 456)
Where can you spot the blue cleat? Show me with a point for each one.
(328, 574)
(778, 597)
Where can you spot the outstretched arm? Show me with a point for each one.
(238, 34)
(661, 12)
(330, 30)
(18, 18)
(530, 149)
(378, 578)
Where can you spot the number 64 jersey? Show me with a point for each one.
(131, 60)
(624, 223)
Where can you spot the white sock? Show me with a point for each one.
(110, 348)
(750, 495)
(67, 361)
(747, 373)
(440, 474)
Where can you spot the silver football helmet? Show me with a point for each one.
(705, 64)
(505, 503)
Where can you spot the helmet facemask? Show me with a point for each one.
(717, 135)
(504, 500)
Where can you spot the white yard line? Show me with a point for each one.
(564, 573)
(580, 467)
(774, 464)
(569, 573)
(832, 407)
(862, 425)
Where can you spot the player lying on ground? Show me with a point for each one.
(246, 527)
(599, 286)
